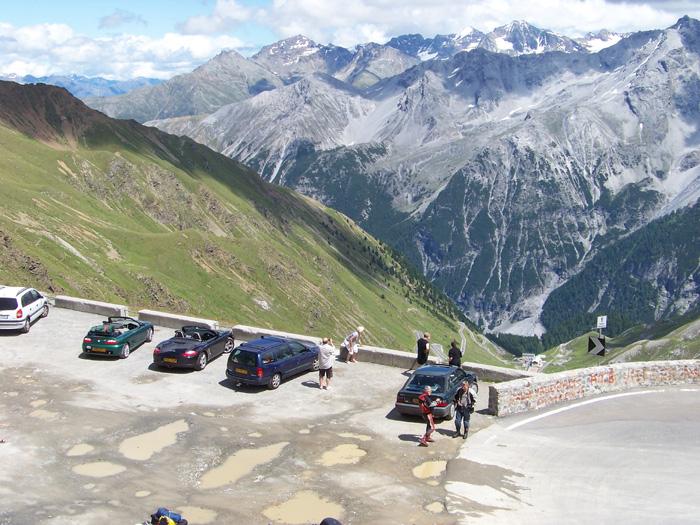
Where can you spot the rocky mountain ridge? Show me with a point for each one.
(505, 174)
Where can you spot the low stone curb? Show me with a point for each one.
(91, 307)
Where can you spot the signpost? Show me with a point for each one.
(596, 344)
(602, 322)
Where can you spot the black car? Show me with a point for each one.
(269, 360)
(193, 347)
(444, 380)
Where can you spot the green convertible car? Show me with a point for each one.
(117, 336)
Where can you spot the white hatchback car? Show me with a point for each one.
(20, 307)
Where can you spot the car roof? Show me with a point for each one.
(264, 343)
(435, 370)
(12, 291)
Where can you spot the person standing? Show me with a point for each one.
(326, 356)
(464, 401)
(427, 404)
(351, 343)
(422, 351)
(455, 355)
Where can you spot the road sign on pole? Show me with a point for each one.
(602, 322)
(596, 345)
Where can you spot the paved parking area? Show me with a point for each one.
(92, 440)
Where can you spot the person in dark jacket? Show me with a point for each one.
(455, 355)
(464, 401)
(422, 351)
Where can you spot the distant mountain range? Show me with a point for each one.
(503, 165)
(230, 78)
(84, 87)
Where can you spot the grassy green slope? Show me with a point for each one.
(114, 211)
(636, 344)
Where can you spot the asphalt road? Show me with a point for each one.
(625, 458)
(95, 440)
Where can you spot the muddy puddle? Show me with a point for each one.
(99, 469)
(435, 507)
(305, 507)
(347, 454)
(38, 403)
(80, 450)
(142, 493)
(239, 465)
(46, 415)
(198, 515)
(430, 469)
(143, 446)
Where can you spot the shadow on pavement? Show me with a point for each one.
(311, 384)
(409, 437)
(240, 387)
(92, 357)
(167, 370)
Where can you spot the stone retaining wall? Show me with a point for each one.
(175, 321)
(544, 390)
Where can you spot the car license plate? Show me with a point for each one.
(170, 359)
(88, 348)
(100, 350)
(241, 371)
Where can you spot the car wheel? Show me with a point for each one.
(27, 326)
(451, 413)
(275, 381)
(126, 350)
(201, 361)
(315, 364)
(149, 335)
(229, 345)
(45, 311)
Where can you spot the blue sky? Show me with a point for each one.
(161, 38)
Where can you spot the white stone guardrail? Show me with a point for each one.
(384, 356)
(544, 390)
(175, 321)
(91, 307)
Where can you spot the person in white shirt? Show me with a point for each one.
(352, 344)
(326, 356)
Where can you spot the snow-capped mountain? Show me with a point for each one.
(440, 46)
(297, 56)
(521, 38)
(594, 42)
(501, 175)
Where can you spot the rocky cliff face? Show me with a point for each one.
(500, 176)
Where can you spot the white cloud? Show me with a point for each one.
(226, 15)
(349, 22)
(44, 49)
(120, 17)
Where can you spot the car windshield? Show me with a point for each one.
(419, 381)
(241, 357)
(8, 303)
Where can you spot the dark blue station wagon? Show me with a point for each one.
(269, 360)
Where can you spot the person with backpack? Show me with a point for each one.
(427, 404)
(464, 402)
